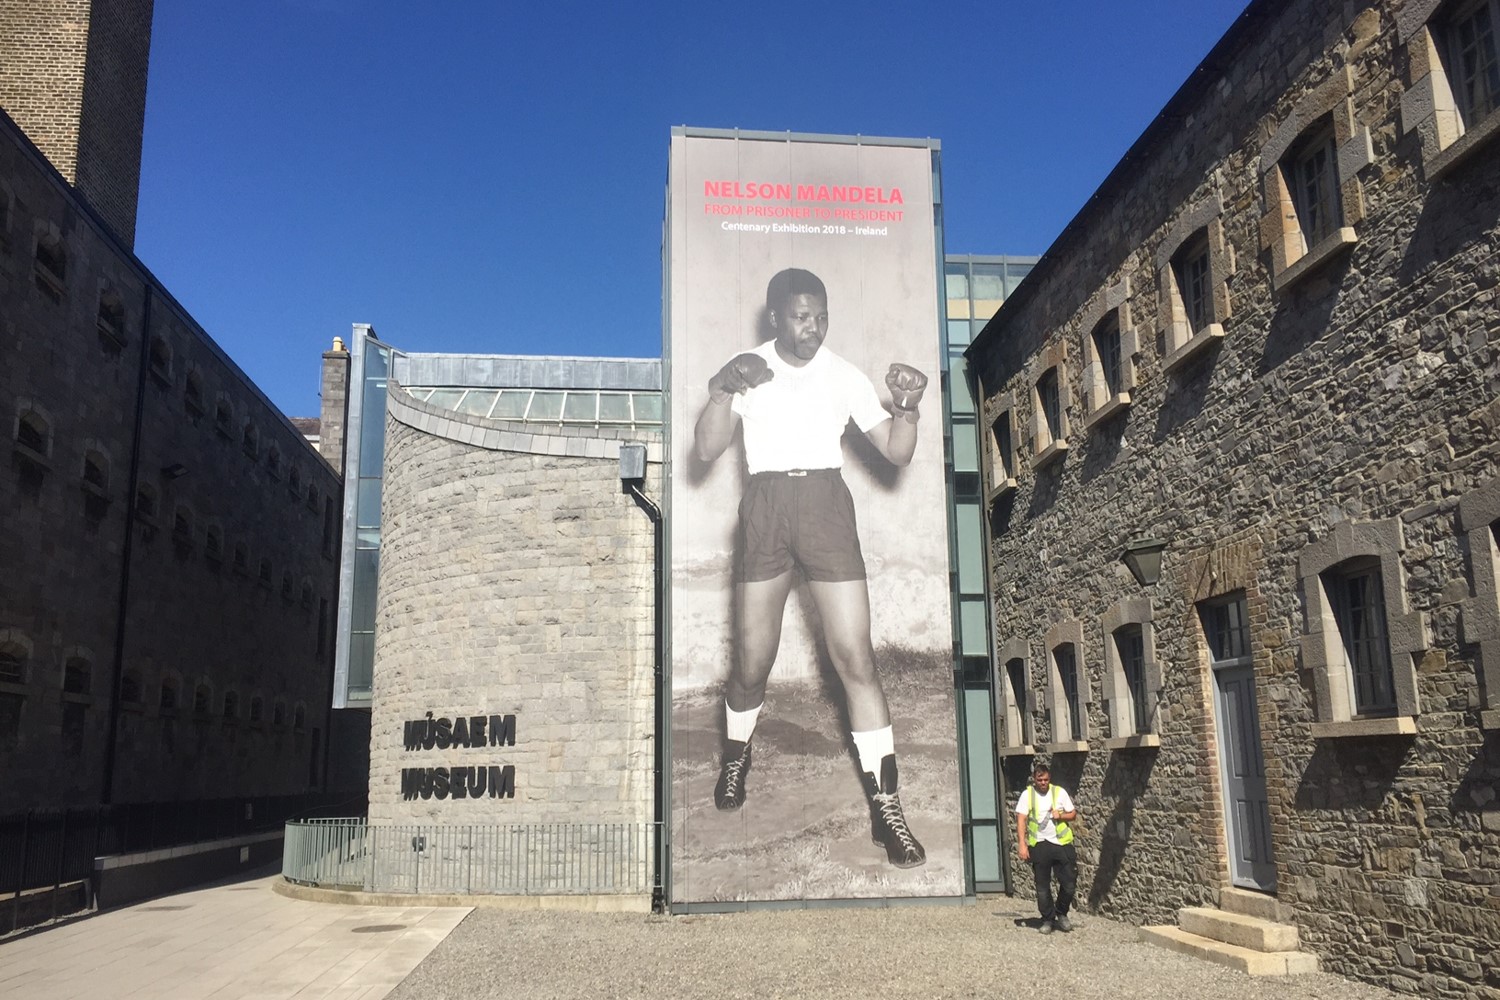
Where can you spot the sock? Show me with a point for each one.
(740, 725)
(872, 747)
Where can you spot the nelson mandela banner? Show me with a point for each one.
(813, 739)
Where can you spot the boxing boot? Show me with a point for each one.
(888, 827)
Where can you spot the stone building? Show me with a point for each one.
(1244, 487)
(171, 540)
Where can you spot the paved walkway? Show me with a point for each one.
(242, 941)
(233, 941)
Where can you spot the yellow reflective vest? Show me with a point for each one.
(1033, 821)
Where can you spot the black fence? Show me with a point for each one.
(45, 848)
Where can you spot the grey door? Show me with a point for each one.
(1243, 768)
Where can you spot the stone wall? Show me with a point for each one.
(123, 380)
(516, 580)
(73, 76)
(1357, 388)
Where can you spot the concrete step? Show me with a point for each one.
(1238, 929)
(1255, 904)
(1255, 963)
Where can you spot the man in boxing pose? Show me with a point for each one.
(795, 399)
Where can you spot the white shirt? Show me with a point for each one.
(1056, 798)
(797, 419)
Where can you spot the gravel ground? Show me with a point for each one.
(990, 949)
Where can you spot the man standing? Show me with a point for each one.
(1046, 840)
(795, 400)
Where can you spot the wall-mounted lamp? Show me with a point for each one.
(1143, 557)
(174, 471)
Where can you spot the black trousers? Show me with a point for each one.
(1045, 858)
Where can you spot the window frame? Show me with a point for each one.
(1479, 521)
(1069, 634)
(1431, 105)
(1110, 311)
(1003, 469)
(1010, 703)
(1123, 709)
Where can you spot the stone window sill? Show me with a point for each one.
(1024, 750)
(112, 336)
(1460, 149)
(1200, 342)
(1115, 405)
(31, 457)
(13, 687)
(1007, 485)
(1075, 746)
(1399, 725)
(1140, 741)
(1050, 454)
(1330, 247)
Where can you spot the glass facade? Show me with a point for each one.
(975, 288)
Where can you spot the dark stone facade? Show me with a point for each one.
(1337, 414)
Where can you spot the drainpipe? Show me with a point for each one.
(132, 487)
(632, 474)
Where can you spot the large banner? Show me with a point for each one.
(814, 753)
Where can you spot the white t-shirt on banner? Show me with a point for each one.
(797, 419)
(1056, 798)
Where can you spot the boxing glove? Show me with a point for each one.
(906, 385)
(742, 373)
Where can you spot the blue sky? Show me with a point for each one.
(488, 176)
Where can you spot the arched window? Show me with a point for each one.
(250, 439)
(257, 709)
(264, 575)
(213, 543)
(203, 699)
(223, 416)
(278, 714)
(192, 396)
(130, 688)
(96, 471)
(33, 434)
(273, 462)
(286, 586)
(51, 266)
(161, 359)
(145, 502)
(241, 558)
(168, 699)
(15, 651)
(231, 712)
(78, 676)
(299, 717)
(111, 321)
(182, 526)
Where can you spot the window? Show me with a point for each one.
(330, 528)
(1479, 520)
(257, 709)
(168, 700)
(294, 481)
(278, 714)
(15, 651)
(33, 437)
(273, 462)
(1454, 95)
(1191, 269)
(203, 700)
(213, 543)
(111, 319)
(306, 599)
(182, 527)
(1049, 410)
(286, 586)
(1013, 700)
(1310, 205)
(1068, 692)
(1003, 449)
(131, 690)
(11, 707)
(223, 416)
(96, 472)
(231, 710)
(1358, 597)
(250, 439)
(264, 574)
(313, 496)
(78, 676)
(241, 561)
(1227, 627)
(50, 269)
(1361, 643)
(299, 717)
(1131, 678)
(1313, 177)
(74, 725)
(160, 364)
(145, 503)
(1194, 263)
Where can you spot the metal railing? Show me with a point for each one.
(49, 848)
(535, 859)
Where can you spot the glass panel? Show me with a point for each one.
(1107, 348)
(647, 407)
(614, 408)
(545, 406)
(372, 429)
(987, 282)
(959, 397)
(1359, 607)
(965, 447)
(448, 399)
(957, 282)
(958, 331)
(973, 627)
(1013, 275)
(511, 405)
(421, 394)
(581, 406)
(1067, 672)
(1017, 718)
(366, 578)
(377, 361)
(970, 549)
(1130, 642)
(978, 324)
(361, 662)
(986, 841)
(980, 752)
(367, 504)
(1228, 634)
(478, 402)
(1047, 391)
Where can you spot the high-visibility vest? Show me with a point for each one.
(1033, 823)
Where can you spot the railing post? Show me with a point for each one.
(15, 908)
(62, 859)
